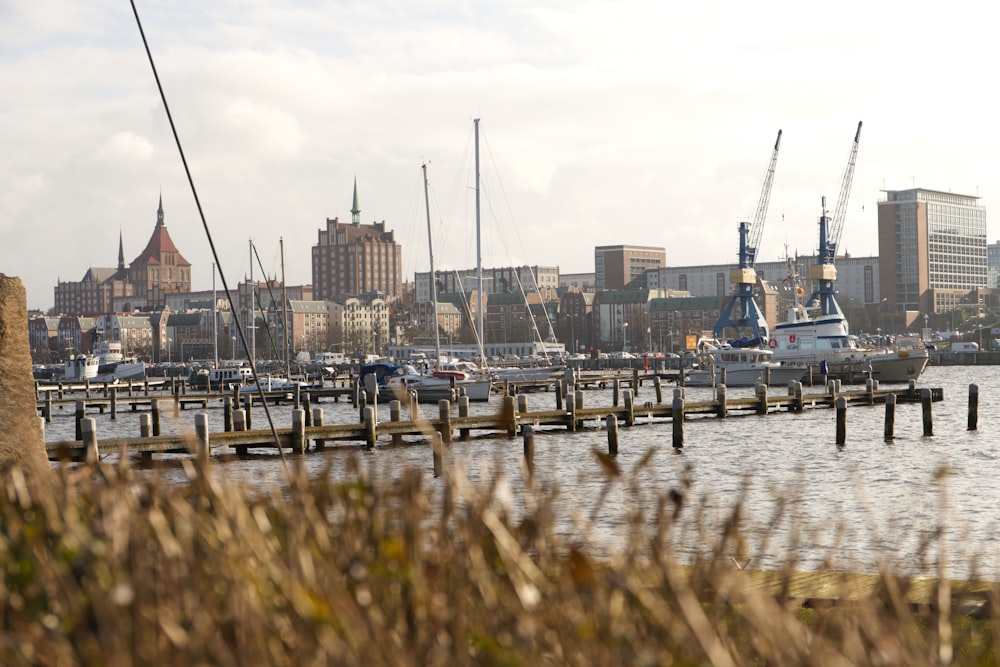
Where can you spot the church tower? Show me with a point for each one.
(160, 269)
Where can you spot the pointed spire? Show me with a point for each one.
(355, 211)
(159, 212)
(121, 252)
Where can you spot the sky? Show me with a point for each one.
(636, 122)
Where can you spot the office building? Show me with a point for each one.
(616, 267)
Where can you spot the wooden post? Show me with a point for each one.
(559, 394)
(463, 411)
(870, 388)
(240, 424)
(201, 431)
(615, 391)
(444, 416)
(629, 407)
(925, 405)
(88, 432)
(369, 420)
(248, 407)
(677, 421)
(145, 425)
(796, 388)
(394, 414)
(841, 404)
(362, 404)
(658, 386)
(227, 413)
(114, 402)
(414, 408)
(890, 416)
(317, 420)
(81, 408)
(578, 399)
(356, 394)
(48, 407)
(831, 389)
(570, 413)
(722, 409)
(635, 382)
(506, 387)
(298, 431)
(130, 388)
(296, 397)
(437, 451)
(612, 422)
(509, 416)
(145, 387)
(307, 406)
(155, 405)
(86, 387)
(973, 407)
(761, 391)
(528, 434)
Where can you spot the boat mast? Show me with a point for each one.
(479, 255)
(284, 309)
(253, 315)
(430, 250)
(215, 322)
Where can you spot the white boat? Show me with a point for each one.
(114, 366)
(80, 367)
(825, 345)
(822, 340)
(723, 364)
(396, 381)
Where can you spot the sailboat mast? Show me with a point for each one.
(284, 309)
(430, 250)
(479, 254)
(253, 314)
(215, 322)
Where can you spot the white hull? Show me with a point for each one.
(431, 390)
(123, 372)
(774, 375)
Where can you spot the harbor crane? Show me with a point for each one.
(824, 272)
(742, 312)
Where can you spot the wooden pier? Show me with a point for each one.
(570, 413)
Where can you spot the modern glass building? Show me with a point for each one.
(932, 249)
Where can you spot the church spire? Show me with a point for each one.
(121, 253)
(159, 212)
(355, 211)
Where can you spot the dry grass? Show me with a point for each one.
(117, 568)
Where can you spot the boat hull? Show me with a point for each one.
(775, 376)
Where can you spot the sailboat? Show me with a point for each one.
(391, 380)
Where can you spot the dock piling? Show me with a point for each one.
(925, 405)
(528, 435)
(88, 429)
(973, 407)
(677, 422)
(890, 417)
(612, 422)
(841, 405)
(201, 432)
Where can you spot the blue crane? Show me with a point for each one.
(742, 312)
(824, 272)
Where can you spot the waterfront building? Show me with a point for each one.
(579, 282)
(498, 280)
(932, 247)
(158, 271)
(354, 258)
(619, 266)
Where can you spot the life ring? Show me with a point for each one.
(791, 338)
(773, 343)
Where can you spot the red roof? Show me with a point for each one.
(160, 243)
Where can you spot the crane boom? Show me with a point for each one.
(757, 226)
(742, 312)
(840, 212)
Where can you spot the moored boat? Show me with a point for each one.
(724, 364)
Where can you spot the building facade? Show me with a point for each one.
(616, 267)
(158, 271)
(355, 258)
(932, 249)
(501, 280)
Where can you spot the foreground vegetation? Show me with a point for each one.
(117, 567)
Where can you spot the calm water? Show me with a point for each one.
(854, 507)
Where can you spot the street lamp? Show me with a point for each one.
(170, 345)
(624, 337)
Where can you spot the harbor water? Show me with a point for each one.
(805, 501)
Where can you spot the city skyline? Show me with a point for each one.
(603, 124)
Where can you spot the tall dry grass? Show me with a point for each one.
(117, 567)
